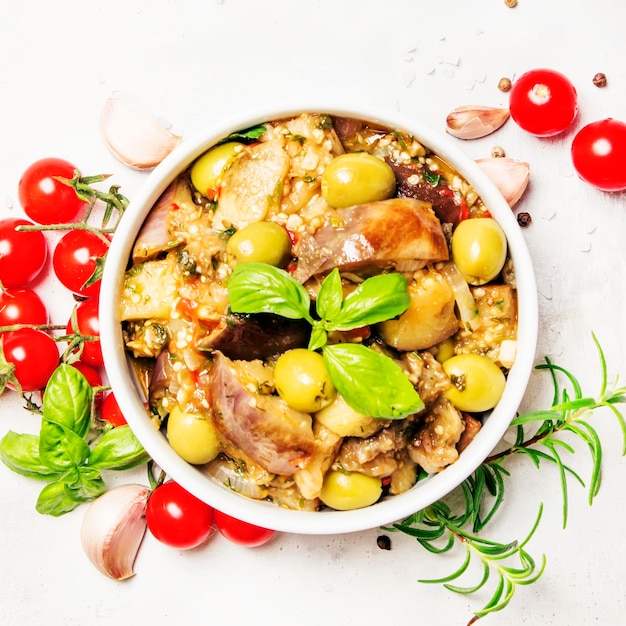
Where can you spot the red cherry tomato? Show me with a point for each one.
(23, 253)
(599, 154)
(34, 354)
(22, 306)
(111, 411)
(543, 102)
(88, 324)
(177, 518)
(242, 533)
(74, 260)
(93, 378)
(45, 199)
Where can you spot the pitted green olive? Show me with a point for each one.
(208, 169)
(477, 382)
(357, 178)
(479, 249)
(261, 242)
(345, 491)
(192, 436)
(302, 381)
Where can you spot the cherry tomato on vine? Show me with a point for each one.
(543, 102)
(177, 518)
(88, 324)
(599, 154)
(111, 412)
(93, 378)
(22, 306)
(242, 533)
(74, 260)
(45, 199)
(34, 354)
(23, 253)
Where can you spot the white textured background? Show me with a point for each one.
(192, 61)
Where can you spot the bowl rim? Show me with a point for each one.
(266, 514)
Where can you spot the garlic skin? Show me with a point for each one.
(475, 121)
(510, 176)
(134, 135)
(113, 529)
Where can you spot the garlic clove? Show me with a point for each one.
(113, 529)
(474, 121)
(134, 135)
(509, 175)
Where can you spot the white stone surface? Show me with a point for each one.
(195, 60)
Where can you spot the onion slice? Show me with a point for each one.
(463, 296)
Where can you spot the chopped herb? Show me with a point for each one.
(431, 178)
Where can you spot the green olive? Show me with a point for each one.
(207, 170)
(477, 382)
(345, 491)
(192, 436)
(262, 242)
(357, 178)
(302, 381)
(479, 249)
(445, 350)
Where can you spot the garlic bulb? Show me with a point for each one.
(510, 176)
(474, 121)
(113, 529)
(133, 134)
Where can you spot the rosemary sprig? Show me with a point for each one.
(438, 529)
(569, 413)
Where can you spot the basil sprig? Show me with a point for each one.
(370, 382)
(62, 455)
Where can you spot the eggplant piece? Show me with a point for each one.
(258, 336)
(264, 427)
(410, 184)
(154, 236)
(400, 233)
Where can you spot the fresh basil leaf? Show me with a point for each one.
(370, 382)
(87, 486)
(118, 449)
(56, 499)
(262, 288)
(249, 134)
(67, 400)
(20, 453)
(377, 299)
(330, 296)
(318, 336)
(61, 448)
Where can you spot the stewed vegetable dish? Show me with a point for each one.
(320, 311)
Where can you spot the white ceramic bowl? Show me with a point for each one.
(268, 515)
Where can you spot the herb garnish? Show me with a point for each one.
(439, 528)
(63, 454)
(370, 382)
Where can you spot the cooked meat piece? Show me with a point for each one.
(434, 446)
(400, 233)
(472, 428)
(426, 374)
(257, 336)
(309, 479)
(275, 436)
(410, 184)
(375, 455)
(405, 474)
